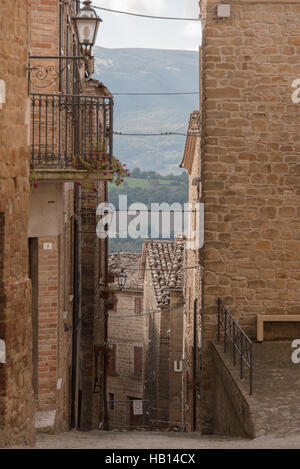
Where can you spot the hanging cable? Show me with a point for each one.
(151, 270)
(162, 134)
(146, 16)
(149, 313)
(157, 94)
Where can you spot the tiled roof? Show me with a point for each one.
(130, 262)
(165, 261)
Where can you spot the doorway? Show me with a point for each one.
(135, 419)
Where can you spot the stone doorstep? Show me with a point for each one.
(44, 421)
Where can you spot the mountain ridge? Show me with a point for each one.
(133, 70)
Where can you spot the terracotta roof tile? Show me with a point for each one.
(165, 261)
(130, 262)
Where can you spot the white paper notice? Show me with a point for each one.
(137, 407)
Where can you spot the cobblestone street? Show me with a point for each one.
(155, 440)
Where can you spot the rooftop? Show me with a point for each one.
(130, 262)
(165, 261)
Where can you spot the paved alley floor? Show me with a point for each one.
(156, 440)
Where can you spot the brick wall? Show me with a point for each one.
(52, 224)
(94, 261)
(44, 27)
(48, 322)
(16, 397)
(250, 167)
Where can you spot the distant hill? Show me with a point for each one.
(150, 70)
(147, 188)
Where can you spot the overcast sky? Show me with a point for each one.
(118, 31)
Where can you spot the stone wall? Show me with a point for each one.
(163, 344)
(126, 333)
(250, 167)
(232, 412)
(176, 403)
(193, 299)
(16, 397)
(151, 344)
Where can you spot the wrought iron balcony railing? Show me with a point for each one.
(67, 130)
(241, 344)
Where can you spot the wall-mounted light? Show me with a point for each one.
(87, 24)
(122, 277)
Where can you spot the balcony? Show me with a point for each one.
(71, 136)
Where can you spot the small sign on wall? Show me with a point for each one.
(178, 366)
(2, 352)
(137, 408)
(47, 246)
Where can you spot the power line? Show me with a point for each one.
(146, 16)
(183, 211)
(180, 271)
(161, 134)
(157, 311)
(157, 94)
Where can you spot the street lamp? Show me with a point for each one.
(87, 23)
(122, 277)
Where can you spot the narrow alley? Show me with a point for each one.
(149, 232)
(156, 440)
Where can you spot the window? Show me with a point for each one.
(138, 305)
(112, 303)
(138, 360)
(112, 362)
(111, 401)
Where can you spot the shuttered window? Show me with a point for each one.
(112, 361)
(138, 305)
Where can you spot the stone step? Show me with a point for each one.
(275, 404)
(45, 421)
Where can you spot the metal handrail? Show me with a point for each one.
(241, 343)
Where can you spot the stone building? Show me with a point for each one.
(161, 270)
(250, 176)
(69, 132)
(56, 124)
(16, 398)
(126, 337)
(192, 279)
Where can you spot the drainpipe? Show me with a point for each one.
(195, 367)
(75, 413)
(105, 363)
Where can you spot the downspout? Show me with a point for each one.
(75, 416)
(195, 367)
(105, 363)
(76, 396)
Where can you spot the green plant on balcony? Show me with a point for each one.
(102, 167)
